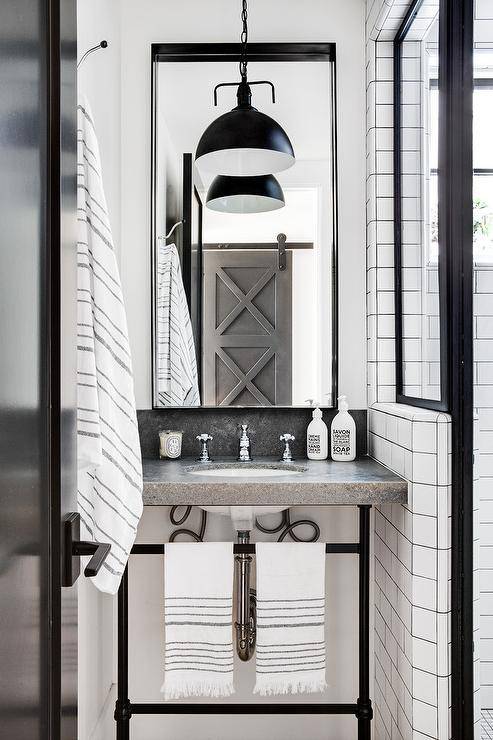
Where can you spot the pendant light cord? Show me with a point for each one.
(244, 41)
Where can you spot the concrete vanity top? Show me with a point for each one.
(364, 481)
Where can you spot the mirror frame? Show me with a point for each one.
(263, 52)
(441, 404)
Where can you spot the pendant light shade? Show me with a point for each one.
(245, 194)
(244, 142)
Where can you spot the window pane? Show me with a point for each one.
(420, 320)
(483, 218)
(483, 139)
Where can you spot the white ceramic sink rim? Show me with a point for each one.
(246, 472)
(243, 517)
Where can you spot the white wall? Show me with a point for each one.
(150, 21)
(99, 81)
(120, 99)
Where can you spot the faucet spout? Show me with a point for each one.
(245, 449)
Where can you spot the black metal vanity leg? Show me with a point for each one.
(123, 709)
(364, 712)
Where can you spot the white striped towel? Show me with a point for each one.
(177, 381)
(109, 459)
(198, 615)
(290, 618)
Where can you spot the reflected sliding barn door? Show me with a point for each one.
(246, 328)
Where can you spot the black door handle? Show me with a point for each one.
(74, 548)
(99, 552)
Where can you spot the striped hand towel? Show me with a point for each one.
(177, 379)
(290, 618)
(108, 447)
(198, 603)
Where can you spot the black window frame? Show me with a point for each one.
(441, 404)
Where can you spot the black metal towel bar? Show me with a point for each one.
(330, 547)
(361, 709)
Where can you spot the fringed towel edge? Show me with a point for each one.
(268, 687)
(188, 689)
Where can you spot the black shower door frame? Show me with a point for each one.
(455, 199)
(456, 220)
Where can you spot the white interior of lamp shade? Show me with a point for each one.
(245, 204)
(245, 162)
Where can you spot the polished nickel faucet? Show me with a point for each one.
(287, 455)
(204, 440)
(245, 453)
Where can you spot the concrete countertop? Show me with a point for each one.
(364, 481)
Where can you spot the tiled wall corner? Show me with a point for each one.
(411, 543)
(379, 201)
(419, 278)
(412, 575)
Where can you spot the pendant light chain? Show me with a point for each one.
(244, 41)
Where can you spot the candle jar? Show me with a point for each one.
(170, 444)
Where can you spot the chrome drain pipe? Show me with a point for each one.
(246, 603)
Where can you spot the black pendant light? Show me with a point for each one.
(245, 194)
(244, 142)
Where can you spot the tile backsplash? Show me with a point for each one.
(264, 428)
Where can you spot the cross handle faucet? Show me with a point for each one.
(245, 449)
(287, 455)
(204, 440)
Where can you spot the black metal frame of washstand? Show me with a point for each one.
(361, 709)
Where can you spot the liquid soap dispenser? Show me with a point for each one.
(317, 437)
(343, 434)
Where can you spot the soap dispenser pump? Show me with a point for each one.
(317, 437)
(343, 434)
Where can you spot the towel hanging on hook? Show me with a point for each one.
(172, 230)
(102, 45)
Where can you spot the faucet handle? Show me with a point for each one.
(204, 440)
(287, 455)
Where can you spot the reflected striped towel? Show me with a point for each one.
(108, 447)
(198, 616)
(177, 380)
(290, 618)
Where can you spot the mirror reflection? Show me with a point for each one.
(243, 299)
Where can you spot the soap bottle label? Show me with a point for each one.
(314, 444)
(341, 444)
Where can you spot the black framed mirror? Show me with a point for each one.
(419, 256)
(260, 288)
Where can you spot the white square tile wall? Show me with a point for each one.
(412, 542)
(412, 575)
(483, 401)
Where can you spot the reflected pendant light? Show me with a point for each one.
(244, 142)
(245, 194)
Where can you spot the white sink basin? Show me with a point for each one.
(243, 517)
(246, 472)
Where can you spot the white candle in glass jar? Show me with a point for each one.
(170, 444)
